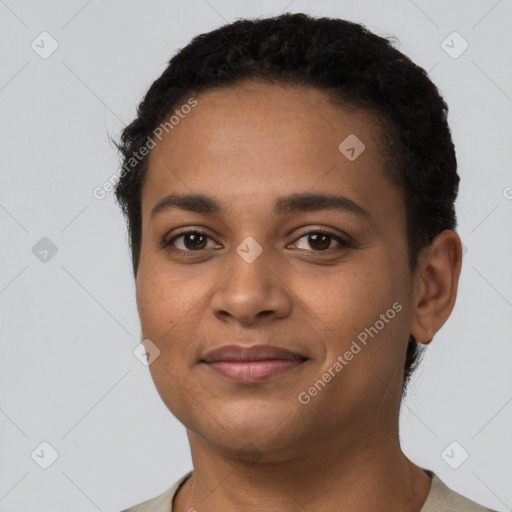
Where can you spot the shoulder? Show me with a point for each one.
(443, 499)
(162, 502)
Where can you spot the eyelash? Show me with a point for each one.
(344, 243)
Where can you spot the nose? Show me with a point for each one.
(251, 292)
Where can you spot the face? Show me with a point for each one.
(297, 245)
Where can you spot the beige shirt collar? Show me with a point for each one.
(440, 499)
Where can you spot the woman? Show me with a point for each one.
(289, 187)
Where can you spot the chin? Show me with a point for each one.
(254, 426)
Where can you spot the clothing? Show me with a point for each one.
(162, 502)
(440, 499)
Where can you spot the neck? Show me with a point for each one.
(369, 472)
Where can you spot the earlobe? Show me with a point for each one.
(435, 286)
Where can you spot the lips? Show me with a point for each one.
(254, 353)
(252, 364)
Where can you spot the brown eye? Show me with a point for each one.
(194, 241)
(191, 241)
(321, 241)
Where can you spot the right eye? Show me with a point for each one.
(192, 241)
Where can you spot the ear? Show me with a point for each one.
(435, 285)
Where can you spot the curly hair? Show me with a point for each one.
(357, 69)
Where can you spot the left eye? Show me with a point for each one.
(322, 241)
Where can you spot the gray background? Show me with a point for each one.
(69, 325)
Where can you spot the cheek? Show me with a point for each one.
(167, 316)
(350, 299)
(161, 294)
(362, 310)
(169, 306)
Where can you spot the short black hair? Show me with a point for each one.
(356, 68)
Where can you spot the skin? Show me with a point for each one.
(254, 447)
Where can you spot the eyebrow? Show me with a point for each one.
(293, 203)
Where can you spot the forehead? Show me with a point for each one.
(259, 140)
